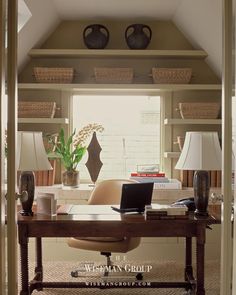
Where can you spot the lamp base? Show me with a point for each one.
(27, 183)
(25, 213)
(201, 188)
(199, 213)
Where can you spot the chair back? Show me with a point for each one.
(108, 192)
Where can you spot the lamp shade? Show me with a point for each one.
(201, 151)
(31, 154)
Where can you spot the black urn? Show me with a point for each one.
(96, 36)
(138, 36)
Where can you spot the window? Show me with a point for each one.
(131, 133)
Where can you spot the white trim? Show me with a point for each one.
(12, 271)
(226, 233)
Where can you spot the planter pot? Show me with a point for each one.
(70, 178)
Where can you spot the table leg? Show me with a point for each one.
(188, 272)
(201, 232)
(23, 241)
(39, 265)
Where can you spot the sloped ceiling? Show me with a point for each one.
(200, 21)
(77, 9)
(43, 21)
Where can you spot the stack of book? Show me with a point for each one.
(158, 211)
(156, 177)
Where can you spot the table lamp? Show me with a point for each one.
(31, 156)
(201, 152)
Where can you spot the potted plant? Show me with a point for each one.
(72, 150)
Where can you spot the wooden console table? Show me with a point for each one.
(115, 225)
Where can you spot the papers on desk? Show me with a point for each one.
(154, 211)
(86, 210)
(64, 209)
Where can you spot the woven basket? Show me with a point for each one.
(39, 109)
(114, 75)
(199, 110)
(53, 75)
(171, 75)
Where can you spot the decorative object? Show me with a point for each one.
(136, 37)
(201, 153)
(53, 75)
(39, 109)
(114, 75)
(71, 151)
(171, 75)
(31, 156)
(199, 110)
(96, 36)
(180, 142)
(46, 204)
(94, 164)
(148, 168)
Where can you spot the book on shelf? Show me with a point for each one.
(190, 178)
(142, 174)
(184, 177)
(172, 184)
(213, 178)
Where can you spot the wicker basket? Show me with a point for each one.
(199, 110)
(39, 109)
(53, 75)
(114, 75)
(171, 75)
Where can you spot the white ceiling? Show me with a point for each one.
(89, 9)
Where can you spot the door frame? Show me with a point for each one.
(2, 147)
(12, 35)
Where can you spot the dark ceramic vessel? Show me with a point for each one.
(138, 36)
(96, 36)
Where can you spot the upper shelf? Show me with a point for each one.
(198, 54)
(192, 121)
(119, 88)
(43, 120)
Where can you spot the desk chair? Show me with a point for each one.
(107, 192)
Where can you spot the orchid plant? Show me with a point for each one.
(72, 150)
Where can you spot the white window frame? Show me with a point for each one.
(161, 94)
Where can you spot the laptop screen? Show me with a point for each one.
(136, 195)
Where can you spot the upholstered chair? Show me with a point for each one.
(107, 192)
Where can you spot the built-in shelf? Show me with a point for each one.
(171, 155)
(119, 88)
(117, 53)
(192, 121)
(43, 120)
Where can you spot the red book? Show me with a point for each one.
(141, 174)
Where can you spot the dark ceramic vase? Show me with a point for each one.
(136, 37)
(96, 36)
(201, 191)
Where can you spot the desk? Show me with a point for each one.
(99, 225)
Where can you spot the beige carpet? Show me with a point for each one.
(161, 271)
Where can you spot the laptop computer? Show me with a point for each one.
(134, 197)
